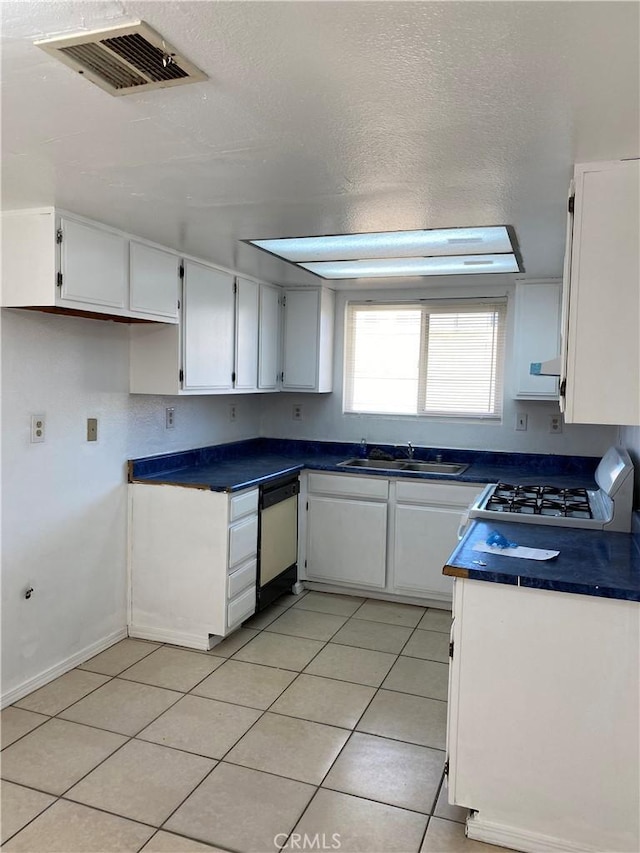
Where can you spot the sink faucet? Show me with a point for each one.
(410, 450)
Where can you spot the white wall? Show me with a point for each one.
(323, 417)
(64, 501)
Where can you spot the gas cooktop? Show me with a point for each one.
(608, 507)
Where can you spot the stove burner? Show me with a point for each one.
(540, 500)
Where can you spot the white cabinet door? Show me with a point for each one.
(154, 277)
(94, 265)
(308, 340)
(300, 362)
(536, 337)
(246, 335)
(346, 541)
(208, 315)
(269, 338)
(603, 347)
(424, 538)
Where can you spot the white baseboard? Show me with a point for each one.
(202, 642)
(59, 669)
(521, 839)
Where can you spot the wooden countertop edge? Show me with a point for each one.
(455, 571)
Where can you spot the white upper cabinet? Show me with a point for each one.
(247, 312)
(60, 262)
(601, 324)
(308, 340)
(228, 337)
(154, 276)
(269, 338)
(93, 265)
(536, 337)
(208, 316)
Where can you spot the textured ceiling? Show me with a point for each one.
(326, 117)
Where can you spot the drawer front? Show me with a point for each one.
(241, 607)
(243, 504)
(345, 484)
(438, 494)
(243, 540)
(242, 578)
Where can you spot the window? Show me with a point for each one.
(437, 358)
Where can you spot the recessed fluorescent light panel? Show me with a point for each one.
(393, 254)
(409, 267)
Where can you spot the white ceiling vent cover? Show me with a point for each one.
(125, 59)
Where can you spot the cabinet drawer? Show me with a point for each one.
(241, 607)
(344, 484)
(243, 504)
(440, 494)
(242, 578)
(243, 540)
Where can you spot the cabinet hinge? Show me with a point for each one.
(446, 767)
(235, 287)
(451, 649)
(179, 305)
(563, 387)
(284, 301)
(305, 564)
(181, 375)
(571, 204)
(59, 279)
(307, 506)
(181, 271)
(233, 376)
(59, 235)
(282, 376)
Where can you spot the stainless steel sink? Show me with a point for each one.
(383, 464)
(453, 469)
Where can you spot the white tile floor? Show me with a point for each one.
(325, 714)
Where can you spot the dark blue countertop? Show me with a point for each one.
(243, 464)
(590, 562)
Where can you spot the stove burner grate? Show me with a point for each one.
(540, 500)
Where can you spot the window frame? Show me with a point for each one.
(498, 304)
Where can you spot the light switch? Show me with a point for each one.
(92, 429)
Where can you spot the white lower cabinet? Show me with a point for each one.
(424, 537)
(391, 535)
(427, 519)
(347, 541)
(193, 563)
(543, 718)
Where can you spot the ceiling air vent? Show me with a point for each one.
(125, 59)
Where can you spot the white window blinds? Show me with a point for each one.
(440, 359)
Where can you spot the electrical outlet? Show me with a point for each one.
(233, 412)
(555, 423)
(521, 421)
(37, 428)
(92, 429)
(169, 417)
(296, 413)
